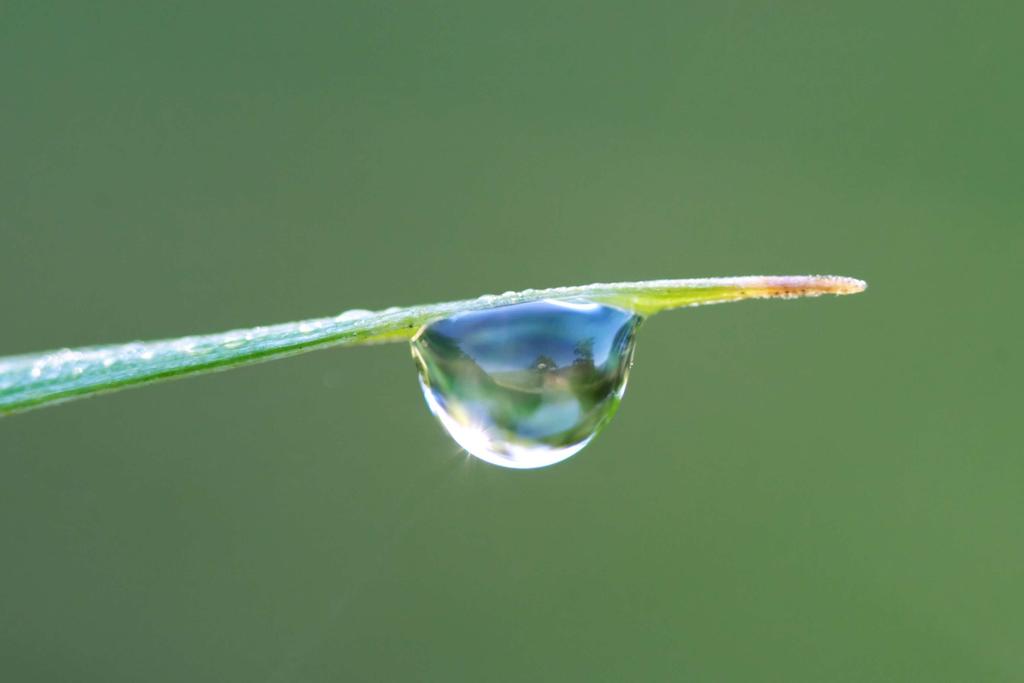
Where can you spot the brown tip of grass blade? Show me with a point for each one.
(794, 286)
(659, 295)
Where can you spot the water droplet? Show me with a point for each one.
(354, 314)
(526, 385)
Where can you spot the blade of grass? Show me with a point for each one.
(38, 379)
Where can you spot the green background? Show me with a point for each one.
(822, 490)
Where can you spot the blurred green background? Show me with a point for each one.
(821, 490)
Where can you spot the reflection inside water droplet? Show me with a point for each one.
(526, 385)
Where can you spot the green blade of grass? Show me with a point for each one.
(38, 379)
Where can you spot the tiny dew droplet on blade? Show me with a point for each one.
(526, 385)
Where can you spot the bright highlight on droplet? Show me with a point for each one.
(526, 385)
